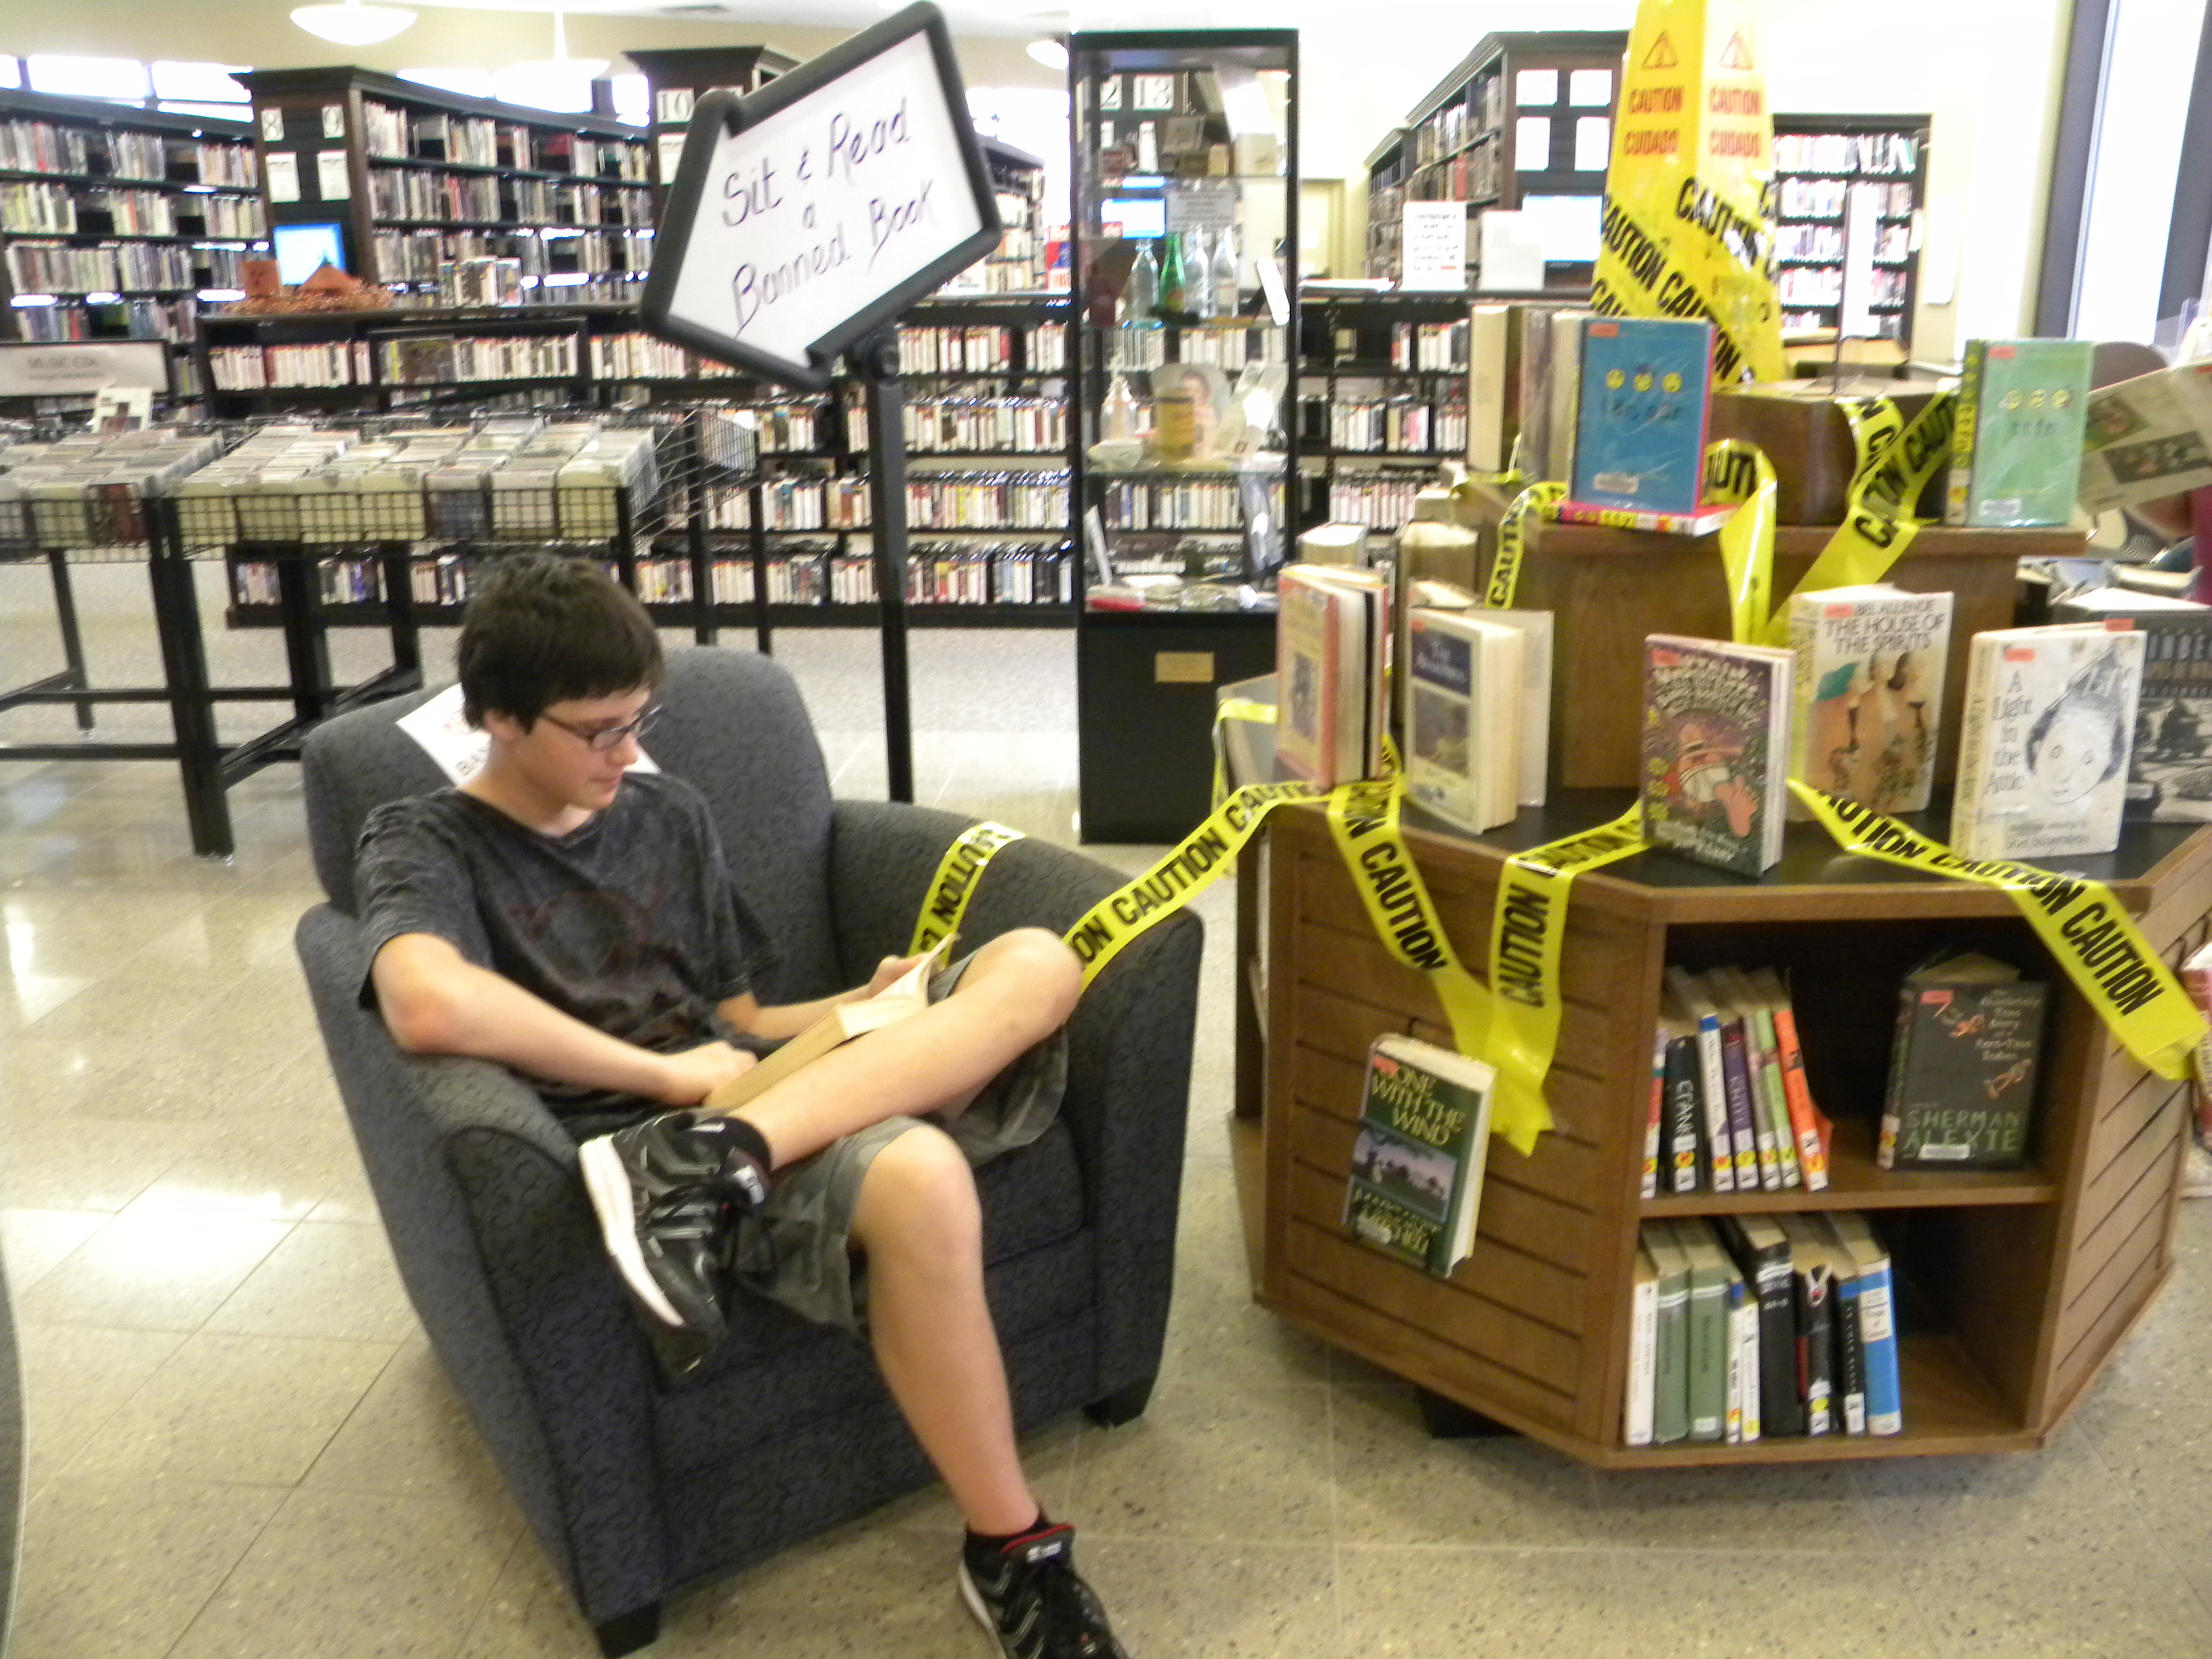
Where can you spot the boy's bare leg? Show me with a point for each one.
(1018, 990)
(921, 1227)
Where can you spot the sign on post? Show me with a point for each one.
(1432, 247)
(808, 215)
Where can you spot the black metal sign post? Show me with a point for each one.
(805, 220)
(875, 360)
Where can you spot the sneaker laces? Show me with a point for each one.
(687, 1211)
(1073, 1620)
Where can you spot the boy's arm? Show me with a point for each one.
(434, 1001)
(776, 1021)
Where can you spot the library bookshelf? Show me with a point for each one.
(2014, 1286)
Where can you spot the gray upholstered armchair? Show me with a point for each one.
(637, 1489)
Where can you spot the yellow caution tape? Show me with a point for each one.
(1512, 540)
(954, 884)
(1528, 929)
(1685, 231)
(1739, 471)
(1181, 876)
(2087, 929)
(1894, 462)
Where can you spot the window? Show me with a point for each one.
(121, 79)
(198, 84)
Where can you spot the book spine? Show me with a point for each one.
(1643, 1363)
(1708, 1343)
(1743, 1323)
(1682, 1113)
(1771, 1096)
(1851, 1358)
(1958, 499)
(1804, 1122)
(1658, 1111)
(1755, 1165)
(1901, 1058)
(1740, 1384)
(1816, 1346)
(1974, 722)
(1782, 1407)
(1884, 1396)
(1670, 1392)
(1804, 678)
(1712, 1095)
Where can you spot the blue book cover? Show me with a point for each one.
(1640, 427)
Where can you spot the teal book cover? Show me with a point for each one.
(2016, 447)
(1640, 428)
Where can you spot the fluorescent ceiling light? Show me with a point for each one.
(1051, 53)
(353, 23)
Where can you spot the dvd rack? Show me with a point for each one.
(1848, 192)
(418, 179)
(1524, 114)
(115, 222)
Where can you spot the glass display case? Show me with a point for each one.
(1184, 240)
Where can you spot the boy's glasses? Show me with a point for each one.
(601, 739)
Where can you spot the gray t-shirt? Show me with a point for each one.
(631, 924)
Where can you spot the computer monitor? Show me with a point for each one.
(301, 250)
(1136, 216)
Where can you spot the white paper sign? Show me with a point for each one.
(672, 152)
(41, 370)
(1512, 252)
(1593, 143)
(458, 747)
(819, 210)
(331, 175)
(272, 125)
(334, 120)
(1433, 249)
(283, 176)
(1531, 144)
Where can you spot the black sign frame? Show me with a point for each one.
(719, 113)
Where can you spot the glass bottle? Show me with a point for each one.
(1173, 303)
(1117, 416)
(1198, 276)
(1140, 296)
(1229, 297)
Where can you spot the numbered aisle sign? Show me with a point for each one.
(812, 213)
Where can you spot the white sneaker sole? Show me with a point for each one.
(974, 1598)
(608, 1184)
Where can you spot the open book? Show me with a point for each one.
(904, 997)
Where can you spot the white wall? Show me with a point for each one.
(1988, 75)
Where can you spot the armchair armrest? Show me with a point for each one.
(1129, 1041)
(496, 1243)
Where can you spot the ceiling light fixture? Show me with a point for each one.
(352, 23)
(1053, 54)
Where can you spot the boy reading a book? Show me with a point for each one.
(575, 921)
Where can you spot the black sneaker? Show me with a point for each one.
(662, 1189)
(1028, 1596)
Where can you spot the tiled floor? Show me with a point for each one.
(239, 1445)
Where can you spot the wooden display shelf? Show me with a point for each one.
(1608, 588)
(2014, 1286)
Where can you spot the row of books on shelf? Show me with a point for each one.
(35, 146)
(427, 256)
(1003, 501)
(1378, 501)
(1824, 243)
(1826, 199)
(479, 140)
(35, 210)
(1473, 175)
(1025, 426)
(983, 349)
(402, 193)
(936, 575)
(1731, 1108)
(45, 268)
(1149, 344)
(1823, 286)
(1863, 153)
(1181, 504)
(127, 320)
(1404, 425)
(1750, 1327)
(1426, 347)
(434, 360)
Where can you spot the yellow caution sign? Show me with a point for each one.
(1685, 226)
